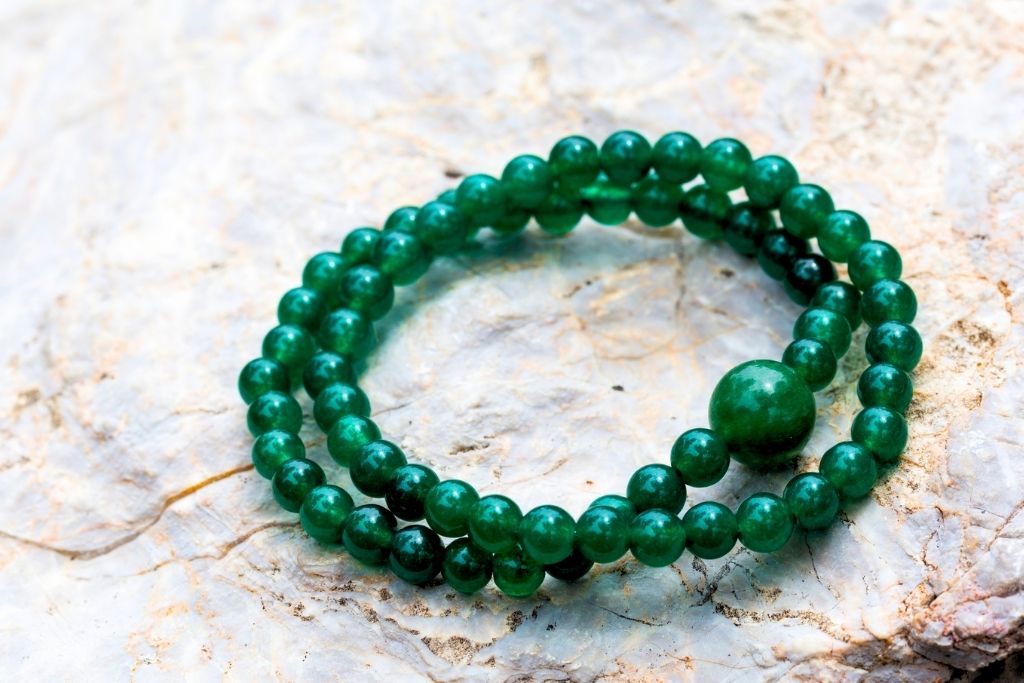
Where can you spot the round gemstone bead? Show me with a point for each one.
(607, 202)
(373, 467)
(348, 434)
(705, 211)
(873, 261)
(260, 376)
(778, 252)
(290, 345)
(575, 162)
(481, 199)
(602, 534)
(368, 532)
(767, 179)
(676, 157)
(516, 574)
(804, 210)
(813, 361)
(895, 343)
(494, 523)
(806, 275)
(656, 486)
(401, 257)
(274, 410)
(273, 449)
(407, 493)
(763, 411)
(512, 223)
(301, 306)
(358, 246)
(812, 499)
(416, 554)
(710, 529)
(724, 164)
(325, 369)
(402, 219)
(323, 273)
(885, 385)
(888, 300)
(849, 467)
(546, 533)
(347, 333)
(826, 326)
(324, 511)
(656, 202)
(572, 568)
(447, 197)
(746, 227)
(620, 504)
(841, 234)
(339, 400)
(293, 480)
(441, 227)
(656, 538)
(841, 297)
(764, 522)
(527, 180)
(367, 290)
(466, 567)
(626, 156)
(700, 457)
(448, 506)
(882, 431)
(558, 214)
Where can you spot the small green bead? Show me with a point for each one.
(369, 530)
(347, 333)
(764, 522)
(466, 567)
(516, 574)
(724, 164)
(293, 480)
(367, 290)
(711, 530)
(626, 156)
(826, 326)
(895, 343)
(778, 252)
(546, 533)
(883, 384)
(888, 300)
(813, 361)
(481, 199)
(558, 214)
(441, 227)
(873, 261)
(841, 297)
(850, 468)
(512, 223)
(746, 227)
(290, 345)
(358, 246)
(447, 197)
(274, 410)
(338, 400)
(260, 376)
(620, 504)
(676, 157)
(882, 431)
(301, 306)
(804, 209)
(807, 274)
(373, 467)
(348, 434)
(768, 179)
(324, 369)
(812, 499)
(657, 538)
(322, 273)
(700, 457)
(527, 180)
(572, 568)
(602, 534)
(407, 493)
(402, 219)
(705, 211)
(448, 507)
(656, 486)
(273, 449)
(417, 554)
(324, 511)
(607, 202)
(656, 202)
(401, 257)
(841, 234)
(494, 523)
(574, 161)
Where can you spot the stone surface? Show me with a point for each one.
(166, 169)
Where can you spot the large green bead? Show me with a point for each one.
(575, 162)
(602, 534)
(841, 297)
(705, 211)
(481, 199)
(724, 164)
(517, 574)
(767, 179)
(323, 273)
(626, 156)
(850, 468)
(325, 369)
(841, 234)
(778, 252)
(655, 201)
(347, 333)
(883, 384)
(700, 456)
(339, 400)
(804, 209)
(301, 306)
(527, 180)
(417, 554)
(558, 214)
(546, 533)
(407, 493)
(572, 568)
(324, 511)
(448, 506)
(348, 434)
(873, 261)
(260, 376)
(828, 327)
(466, 567)
(367, 290)
(494, 523)
(401, 256)
(607, 202)
(293, 480)
(358, 246)
(656, 486)
(274, 410)
(290, 345)
(888, 300)
(763, 411)
(746, 227)
(402, 219)
(373, 467)
(441, 227)
(676, 157)
(711, 530)
(368, 532)
(657, 538)
(882, 431)
(812, 499)
(896, 343)
(764, 522)
(273, 449)
(813, 361)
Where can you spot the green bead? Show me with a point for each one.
(368, 532)
(882, 431)
(516, 574)
(804, 210)
(347, 333)
(447, 197)
(778, 252)
(656, 202)
(895, 343)
(850, 468)
(767, 179)
(843, 232)
(348, 434)
(883, 384)
(841, 297)
(812, 500)
(873, 261)
(700, 457)
(602, 534)
(274, 410)
(260, 376)
(656, 486)
(813, 361)
(724, 164)
(407, 493)
(441, 227)
(620, 504)
(290, 345)
(828, 327)
(626, 156)
(764, 522)
(705, 210)
(358, 246)
(401, 256)
(572, 568)
(657, 538)
(448, 507)
(676, 157)
(494, 523)
(324, 369)
(481, 199)
(763, 411)
(466, 567)
(324, 511)
(338, 400)
(273, 449)
(527, 180)
(301, 306)
(323, 274)
(546, 533)
(373, 467)
(416, 554)
(367, 290)
(574, 161)
(710, 529)
(888, 300)
(402, 219)
(558, 214)
(746, 227)
(512, 223)
(293, 480)
(805, 276)
(607, 202)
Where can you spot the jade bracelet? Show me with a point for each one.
(761, 413)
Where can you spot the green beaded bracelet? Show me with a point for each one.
(761, 412)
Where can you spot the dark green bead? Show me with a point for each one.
(888, 300)
(882, 431)
(558, 214)
(841, 234)
(274, 410)
(273, 449)
(402, 219)
(574, 161)
(804, 209)
(895, 343)
(401, 257)
(620, 504)
(494, 523)
(323, 274)
(368, 532)
(301, 306)
(348, 435)
(407, 492)
(441, 227)
(416, 554)
(338, 400)
(347, 333)
(359, 245)
(850, 468)
(373, 467)
(813, 361)
(841, 297)
(367, 290)
(826, 326)
(448, 507)
(764, 522)
(324, 369)
(602, 534)
(546, 533)
(724, 164)
(293, 480)
(883, 384)
(657, 538)
(607, 202)
(767, 179)
(481, 199)
(710, 530)
(746, 227)
(656, 486)
(779, 250)
(324, 511)
(527, 180)
(805, 276)
(447, 197)
(626, 156)
(700, 457)
(260, 376)
(516, 574)
(763, 411)
(512, 223)
(705, 211)
(572, 568)
(656, 202)
(874, 261)
(290, 345)
(676, 157)
(466, 567)
(812, 500)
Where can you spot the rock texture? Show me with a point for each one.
(167, 167)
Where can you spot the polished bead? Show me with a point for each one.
(512, 223)
(324, 511)
(849, 467)
(620, 504)
(572, 568)
(656, 537)
(448, 506)
(517, 574)
(746, 227)
(494, 523)
(813, 361)
(348, 434)
(574, 161)
(841, 234)
(607, 202)
(406, 495)
(779, 250)
(888, 300)
(301, 306)
(558, 214)
(806, 275)
(417, 554)
(358, 246)
(676, 157)
(274, 410)
(401, 256)
(373, 467)
(546, 533)
(260, 376)
(804, 210)
(656, 202)
(841, 297)
(602, 534)
(323, 273)
(338, 400)
(367, 290)
(710, 530)
(812, 500)
(724, 163)
(293, 480)
(626, 156)
(402, 219)
(873, 261)
(324, 369)
(347, 333)
(767, 179)
(705, 211)
(368, 532)
(700, 457)
(882, 431)
(290, 345)
(764, 522)
(826, 326)
(481, 199)
(895, 343)
(527, 180)
(883, 384)
(441, 227)
(466, 567)
(763, 411)
(273, 449)
(656, 486)
(447, 197)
